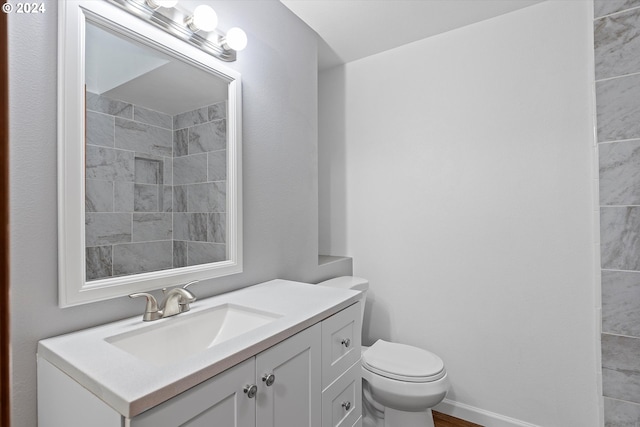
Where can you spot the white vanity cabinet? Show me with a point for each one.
(278, 387)
(310, 379)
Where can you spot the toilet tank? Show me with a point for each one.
(350, 282)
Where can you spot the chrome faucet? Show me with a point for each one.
(175, 301)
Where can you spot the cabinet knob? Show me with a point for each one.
(346, 342)
(251, 390)
(346, 405)
(269, 379)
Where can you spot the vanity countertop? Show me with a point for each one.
(130, 385)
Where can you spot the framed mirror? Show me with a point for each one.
(149, 159)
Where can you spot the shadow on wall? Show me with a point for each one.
(332, 157)
(379, 311)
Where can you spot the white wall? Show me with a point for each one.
(279, 176)
(467, 159)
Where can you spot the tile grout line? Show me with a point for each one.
(618, 12)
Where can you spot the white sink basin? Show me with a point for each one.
(172, 339)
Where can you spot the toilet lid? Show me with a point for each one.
(403, 362)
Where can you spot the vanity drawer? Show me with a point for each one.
(340, 343)
(358, 423)
(342, 401)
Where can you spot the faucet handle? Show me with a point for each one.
(190, 297)
(151, 311)
(164, 290)
(189, 284)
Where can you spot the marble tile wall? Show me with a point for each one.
(200, 185)
(129, 155)
(155, 188)
(617, 72)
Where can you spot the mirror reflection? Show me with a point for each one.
(156, 160)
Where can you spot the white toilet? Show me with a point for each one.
(401, 383)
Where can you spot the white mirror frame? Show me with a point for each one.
(72, 286)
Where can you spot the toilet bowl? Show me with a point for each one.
(401, 383)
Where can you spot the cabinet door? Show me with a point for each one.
(294, 397)
(220, 402)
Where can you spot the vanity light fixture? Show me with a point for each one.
(191, 27)
(157, 4)
(204, 18)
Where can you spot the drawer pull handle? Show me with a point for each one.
(346, 342)
(269, 379)
(346, 405)
(251, 390)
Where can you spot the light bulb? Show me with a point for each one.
(155, 4)
(204, 18)
(236, 39)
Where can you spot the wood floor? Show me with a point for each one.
(442, 420)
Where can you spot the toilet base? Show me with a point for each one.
(393, 418)
(377, 415)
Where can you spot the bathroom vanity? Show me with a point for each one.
(277, 354)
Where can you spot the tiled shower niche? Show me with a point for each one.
(155, 188)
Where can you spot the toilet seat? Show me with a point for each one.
(403, 362)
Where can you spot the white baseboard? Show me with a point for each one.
(479, 416)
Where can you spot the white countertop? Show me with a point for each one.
(130, 385)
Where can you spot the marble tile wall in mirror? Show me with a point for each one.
(155, 187)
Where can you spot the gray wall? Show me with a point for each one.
(279, 71)
(617, 64)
